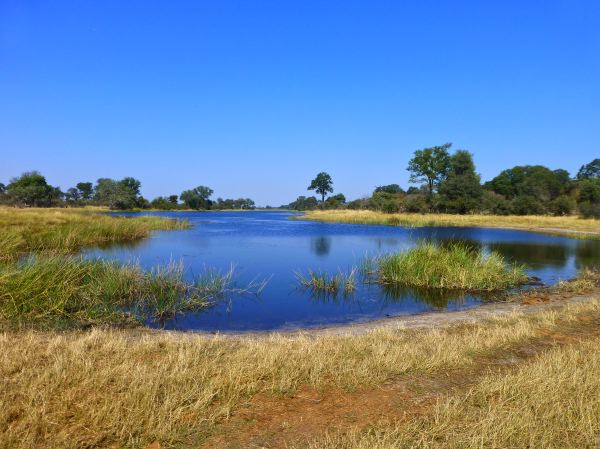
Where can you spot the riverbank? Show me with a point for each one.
(134, 388)
(380, 384)
(569, 226)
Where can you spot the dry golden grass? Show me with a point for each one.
(103, 387)
(546, 224)
(551, 402)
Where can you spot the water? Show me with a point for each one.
(267, 244)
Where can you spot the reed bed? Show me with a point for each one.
(112, 388)
(62, 231)
(570, 226)
(66, 292)
(452, 266)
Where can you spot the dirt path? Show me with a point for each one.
(269, 421)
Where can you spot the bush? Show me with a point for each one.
(589, 210)
(416, 203)
(527, 205)
(495, 204)
(563, 205)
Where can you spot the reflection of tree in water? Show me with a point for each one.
(531, 254)
(434, 297)
(320, 245)
(587, 254)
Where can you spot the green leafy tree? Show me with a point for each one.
(2, 188)
(391, 188)
(197, 198)
(303, 203)
(430, 165)
(322, 185)
(461, 191)
(120, 195)
(532, 181)
(589, 171)
(72, 195)
(173, 199)
(86, 190)
(31, 189)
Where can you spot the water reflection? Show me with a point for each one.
(321, 246)
(262, 244)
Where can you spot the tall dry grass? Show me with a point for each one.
(99, 388)
(547, 224)
(551, 402)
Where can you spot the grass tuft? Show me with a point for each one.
(323, 282)
(455, 266)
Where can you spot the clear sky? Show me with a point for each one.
(253, 98)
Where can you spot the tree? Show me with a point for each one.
(461, 191)
(31, 189)
(197, 198)
(430, 165)
(335, 201)
(588, 171)
(2, 188)
(322, 184)
(121, 195)
(72, 195)
(86, 190)
(303, 203)
(391, 188)
(531, 181)
(173, 199)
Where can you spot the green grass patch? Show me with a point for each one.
(322, 282)
(454, 266)
(63, 292)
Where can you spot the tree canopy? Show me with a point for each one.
(197, 198)
(430, 165)
(322, 184)
(31, 189)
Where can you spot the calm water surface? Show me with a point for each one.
(270, 245)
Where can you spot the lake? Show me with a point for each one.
(270, 245)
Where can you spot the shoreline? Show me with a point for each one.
(546, 225)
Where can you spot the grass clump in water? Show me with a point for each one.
(455, 266)
(322, 282)
(65, 292)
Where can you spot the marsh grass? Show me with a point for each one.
(321, 282)
(570, 226)
(452, 266)
(63, 292)
(63, 231)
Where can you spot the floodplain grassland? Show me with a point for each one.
(110, 386)
(570, 226)
(63, 230)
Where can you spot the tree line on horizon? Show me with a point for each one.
(449, 183)
(443, 183)
(32, 190)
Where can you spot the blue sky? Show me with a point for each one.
(253, 98)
